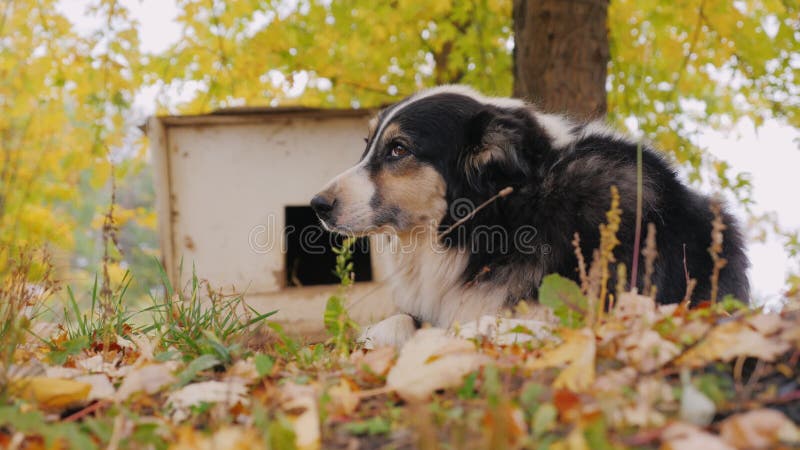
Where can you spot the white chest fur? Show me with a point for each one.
(427, 284)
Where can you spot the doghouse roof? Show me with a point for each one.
(250, 114)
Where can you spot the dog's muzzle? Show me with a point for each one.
(323, 206)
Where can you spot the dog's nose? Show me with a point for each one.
(322, 206)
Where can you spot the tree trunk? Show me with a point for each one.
(560, 55)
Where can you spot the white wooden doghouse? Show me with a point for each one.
(232, 192)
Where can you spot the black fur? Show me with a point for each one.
(560, 191)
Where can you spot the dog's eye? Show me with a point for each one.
(398, 151)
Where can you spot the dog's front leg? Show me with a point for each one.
(392, 331)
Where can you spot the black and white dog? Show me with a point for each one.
(435, 156)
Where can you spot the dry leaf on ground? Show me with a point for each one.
(577, 352)
(300, 404)
(228, 393)
(432, 360)
(682, 436)
(503, 331)
(651, 392)
(62, 372)
(630, 305)
(761, 428)
(344, 400)
(731, 340)
(767, 323)
(647, 350)
(243, 371)
(696, 408)
(51, 393)
(227, 438)
(149, 379)
(374, 362)
(101, 386)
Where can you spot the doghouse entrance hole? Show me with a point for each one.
(310, 259)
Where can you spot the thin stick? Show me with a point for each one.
(86, 411)
(638, 235)
(690, 283)
(503, 192)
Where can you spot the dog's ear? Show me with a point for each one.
(495, 139)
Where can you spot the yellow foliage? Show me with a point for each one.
(63, 99)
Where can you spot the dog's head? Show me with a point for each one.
(423, 153)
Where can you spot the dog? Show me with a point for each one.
(480, 197)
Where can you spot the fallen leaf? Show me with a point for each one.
(696, 408)
(229, 437)
(761, 428)
(54, 393)
(243, 370)
(630, 305)
(344, 400)
(731, 340)
(300, 404)
(101, 386)
(577, 352)
(146, 346)
(647, 350)
(62, 372)
(575, 441)
(149, 379)
(650, 393)
(504, 331)
(92, 364)
(228, 393)
(432, 360)
(683, 436)
(375, 362)
(766, 323)
(612, 380)
(567, 404)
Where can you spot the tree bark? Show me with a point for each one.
(560, 55)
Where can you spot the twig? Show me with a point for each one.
(650, 254)
(503, 193)
(375, 392)
(637, 239)
(86, 411)
(690, 283)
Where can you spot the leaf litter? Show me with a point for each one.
(571, 376)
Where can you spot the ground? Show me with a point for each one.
(194, 376)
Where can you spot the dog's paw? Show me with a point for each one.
(392, 331)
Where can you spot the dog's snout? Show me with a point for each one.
(322, 205)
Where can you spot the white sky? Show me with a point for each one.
(771, 156)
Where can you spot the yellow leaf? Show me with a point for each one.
(731, 340)
(343, 400)
(300, 404)
(578, 353)
(229, 437)
(55, 393)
